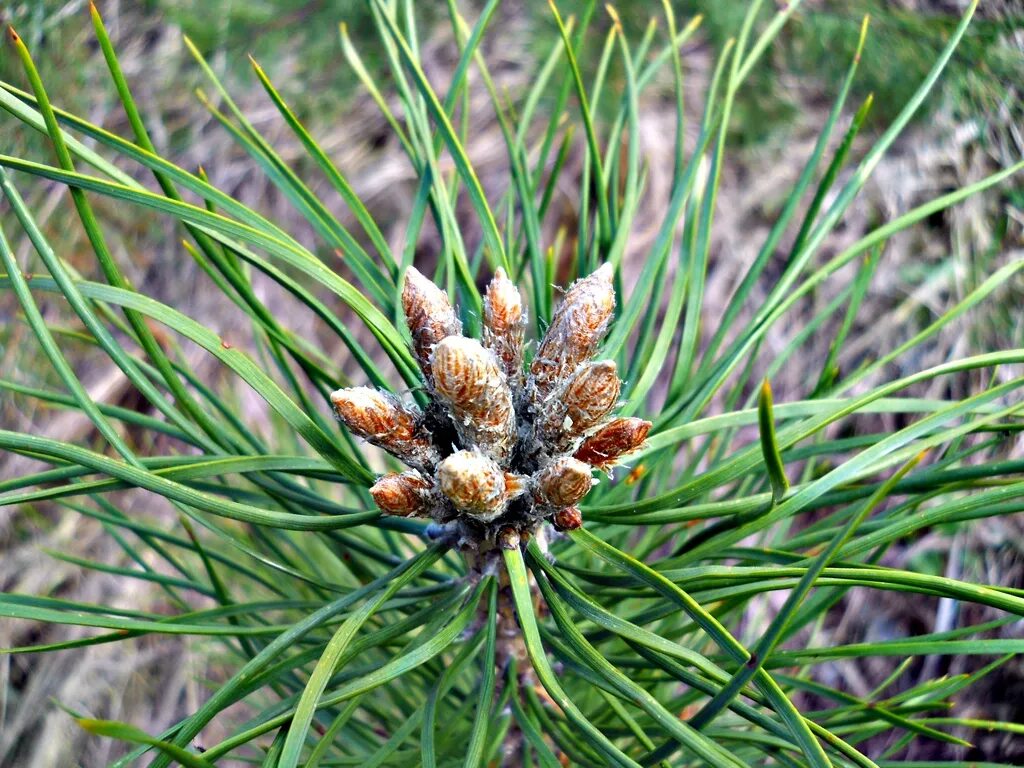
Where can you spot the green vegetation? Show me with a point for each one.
(687, 623)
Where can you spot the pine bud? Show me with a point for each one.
(382, 419)
(505, 324)
(568, 519)
(515, 485)
(575, 331)
(585, 399)
(508, 538)
(469, 379)
(564, 482)
(474, 484)
(615, 439)
(429, 315)
(405, 495)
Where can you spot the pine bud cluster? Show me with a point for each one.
(499, 449)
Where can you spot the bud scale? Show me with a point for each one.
(564, 482)
(615, 439)
(505, 324)
(429, 315)
(468, 378)
(383, 420)
(406, 494)
(576, 329)
(474, 484)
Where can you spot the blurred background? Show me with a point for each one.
(969, 127)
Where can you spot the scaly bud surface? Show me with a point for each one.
(469, 379)
(474, 484)
(568, 519)
(505, 324)
(564, 482)
(615, 439)
(429, 315)
(576, 329)
(587, 396)
(406, 494)
(382, 419)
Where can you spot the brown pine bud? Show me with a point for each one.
(575, 331)
(515, 485)
(615, 439)
(564, 482)
(508, 538)
(405, 495)
(382, 419)
(429, 315)
(505, 324)
(474, 484)
(468, 378)
(587, 397)
(568, 519)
